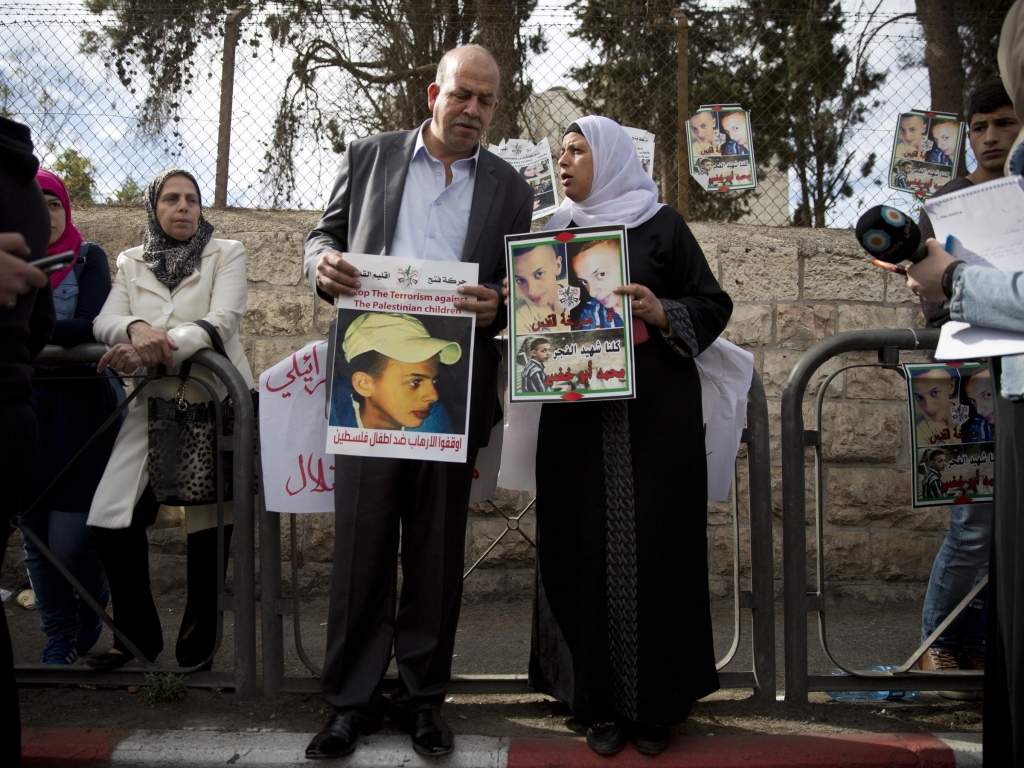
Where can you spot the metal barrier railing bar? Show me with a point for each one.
(242, 602)
(798, 600)
(759, 599)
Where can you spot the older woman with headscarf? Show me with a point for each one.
(991, 298)
(622, 616)
(69, 412)
(179, 274)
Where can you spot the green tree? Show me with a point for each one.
(78, 173)
(781, 59)
(819, 89)
(130, 192)
(358, 66)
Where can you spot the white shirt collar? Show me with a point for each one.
(420, 145)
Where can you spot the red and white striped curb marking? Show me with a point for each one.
(85, 748)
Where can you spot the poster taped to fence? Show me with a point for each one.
(643, 143)
(571, 335)
(533, 161)
(403, 360)
(952, 422)
(721, 152)
(925, 150)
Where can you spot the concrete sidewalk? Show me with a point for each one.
(85, 748)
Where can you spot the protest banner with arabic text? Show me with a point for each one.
(533, 161)
(925, 151)
(571, 335)
(403, 361)
(721, 150)
(298, 474)
(952, 422)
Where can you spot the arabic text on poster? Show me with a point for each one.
(925, 150)
(721, 151)
(952, 418)
(570, 333)
(403, 361)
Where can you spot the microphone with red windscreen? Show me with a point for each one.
(890, 236)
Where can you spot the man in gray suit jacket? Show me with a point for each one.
(432, 192)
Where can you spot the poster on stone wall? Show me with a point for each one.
(926, 146)
(570, 334)
(721, 152)
(952, 423)
(533, 161)
(403, 357)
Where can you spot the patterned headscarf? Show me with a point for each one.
(172, 260)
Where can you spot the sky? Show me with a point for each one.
(92, 111)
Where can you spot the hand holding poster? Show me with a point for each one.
(403, 361)
(721, 153)
(533, 161)
(926, 147)
(571, 335)
(952, 417)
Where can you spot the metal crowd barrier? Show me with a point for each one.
(759, 599)
(798, 600)
(242, 602)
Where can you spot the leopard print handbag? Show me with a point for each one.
(183, 444)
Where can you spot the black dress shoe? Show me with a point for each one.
(607, 739)
(431, 736)
(106, 661)
(650, 739)
(338, 737)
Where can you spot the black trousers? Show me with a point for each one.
(18, 441)
(376, 501)
(125, 555)
(1003, 740)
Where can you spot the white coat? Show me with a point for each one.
(215, 292)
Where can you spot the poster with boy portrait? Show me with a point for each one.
(721, 152)
(925, 150)
(403, 356)
(952, 425)
(533, 161)
(570, 333)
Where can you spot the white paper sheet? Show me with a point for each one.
(986, 221)
(725, 373)
(962, 341)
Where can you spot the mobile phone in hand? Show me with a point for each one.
(55, 263)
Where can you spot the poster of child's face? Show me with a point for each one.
(926, 148)
(568, 331)
(734, 124)
(401, 372)
(953, 429)
(595, 267)
(539, 280)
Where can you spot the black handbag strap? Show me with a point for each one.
(218, 343)
(218, 346)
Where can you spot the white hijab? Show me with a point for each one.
(622, 192)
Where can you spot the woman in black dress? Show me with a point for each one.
(622, 619)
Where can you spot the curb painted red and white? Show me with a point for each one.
(86, 748)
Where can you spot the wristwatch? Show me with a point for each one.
(947, 279)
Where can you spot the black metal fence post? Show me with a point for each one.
(799, 600)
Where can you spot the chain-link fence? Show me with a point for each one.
(116, 90)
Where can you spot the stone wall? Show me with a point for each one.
(791, 287)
